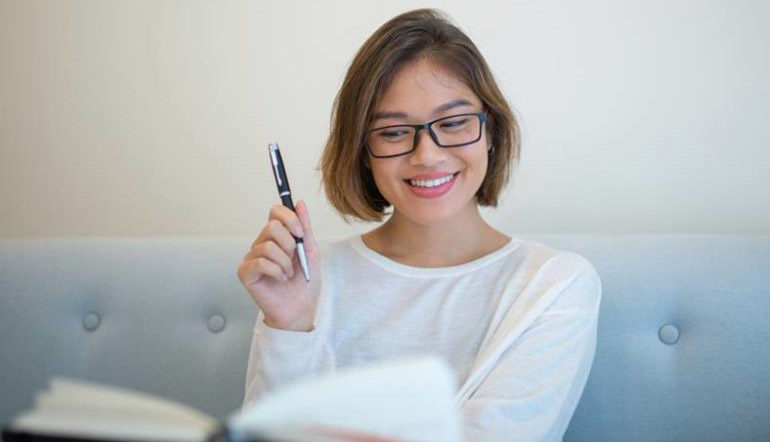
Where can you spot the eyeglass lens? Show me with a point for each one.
(451, 131)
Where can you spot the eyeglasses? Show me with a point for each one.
(453, 131)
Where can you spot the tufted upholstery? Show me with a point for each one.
(683, 353)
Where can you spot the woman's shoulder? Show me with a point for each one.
(551, 266)
(545, 254)
(572, 272)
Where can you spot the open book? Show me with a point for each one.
(408, 400)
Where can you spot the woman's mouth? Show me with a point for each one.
(431, 187)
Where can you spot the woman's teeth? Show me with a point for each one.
(431, 183)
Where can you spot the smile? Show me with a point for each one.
(431, 188)
(432, 183)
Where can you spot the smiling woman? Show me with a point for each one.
(421, 36)
(430, 183)
(421, 127)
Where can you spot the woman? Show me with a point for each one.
(421, 127)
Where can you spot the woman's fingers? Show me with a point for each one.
(279, 256)
(281, 236)
(252, 270)
(272, 253)
(304, 218)
(278, 229)
(288, 218)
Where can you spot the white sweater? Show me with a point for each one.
(518, 326)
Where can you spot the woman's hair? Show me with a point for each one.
(409, 37)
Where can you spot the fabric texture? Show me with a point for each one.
(517, 326)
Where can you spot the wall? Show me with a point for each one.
(149, 118)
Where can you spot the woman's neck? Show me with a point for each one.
(444, 244)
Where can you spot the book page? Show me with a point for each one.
(405, 400)
(72, 407)
(69, 392)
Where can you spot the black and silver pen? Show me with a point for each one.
(279, 171)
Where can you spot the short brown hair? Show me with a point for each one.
(422, 33)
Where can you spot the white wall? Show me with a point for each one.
(152, 117)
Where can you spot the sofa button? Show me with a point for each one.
(91, 321)
(668, 334)
(216, 323)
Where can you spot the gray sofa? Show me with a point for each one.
(683, 352)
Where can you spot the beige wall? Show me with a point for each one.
(152, 117)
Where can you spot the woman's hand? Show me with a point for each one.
(271, 272)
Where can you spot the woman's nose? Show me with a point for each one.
(426, 152)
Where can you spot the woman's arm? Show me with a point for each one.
(533, 388)
(289, 337)
(279, 357)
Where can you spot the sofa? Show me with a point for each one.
(683, 352)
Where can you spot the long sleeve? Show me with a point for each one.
(536, 380)
(279, 357)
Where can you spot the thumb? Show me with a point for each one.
(304, 218)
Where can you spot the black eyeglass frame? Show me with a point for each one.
(482, 116)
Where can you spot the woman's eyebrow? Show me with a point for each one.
(386, 115)
(437, 111)
(450, 105)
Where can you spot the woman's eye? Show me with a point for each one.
(457, 123)
(393, 134)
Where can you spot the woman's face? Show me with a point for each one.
(431, 184)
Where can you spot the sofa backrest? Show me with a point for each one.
(684, 342)
(166, 316)
(683, 351)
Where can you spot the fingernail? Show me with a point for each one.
(296, 229)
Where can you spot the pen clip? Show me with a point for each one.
(274, 161)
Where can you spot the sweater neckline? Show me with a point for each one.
(357, 243)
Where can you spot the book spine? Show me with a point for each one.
(223, 434)
(11, 435)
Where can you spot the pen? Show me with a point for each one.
(279, 171)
